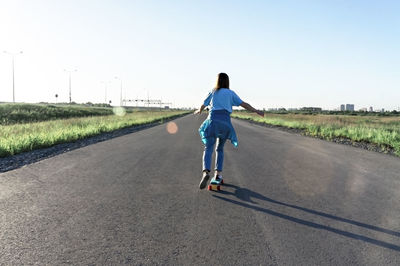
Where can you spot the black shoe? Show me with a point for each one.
(203, 182)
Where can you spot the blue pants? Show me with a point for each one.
(208, 151)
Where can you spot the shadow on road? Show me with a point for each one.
(246, 195)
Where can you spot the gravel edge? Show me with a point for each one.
(17, 161)
(345, 141)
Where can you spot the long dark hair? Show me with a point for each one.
(222, 81)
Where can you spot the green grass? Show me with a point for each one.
(24, 137)
(27, 113)
(382, 131)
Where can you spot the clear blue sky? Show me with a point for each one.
(277, 53)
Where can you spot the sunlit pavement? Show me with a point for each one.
(288, 200)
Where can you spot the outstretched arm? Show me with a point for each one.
(200, 110)
(251, 108)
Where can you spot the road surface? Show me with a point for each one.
(289, 200)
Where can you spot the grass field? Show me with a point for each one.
(21, 137)
(382, 131)
(28, 113)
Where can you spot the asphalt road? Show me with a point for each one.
(289, 200)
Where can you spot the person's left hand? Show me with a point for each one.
(197, 112)
(260, 113)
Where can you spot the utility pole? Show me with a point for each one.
(69, 72)
(105, 90)
(13, 76)
(120, 99)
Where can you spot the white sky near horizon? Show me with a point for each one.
(277, 53)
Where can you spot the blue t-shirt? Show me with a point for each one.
(222, 99)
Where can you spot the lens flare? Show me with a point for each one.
(119, 111)
(172, 128)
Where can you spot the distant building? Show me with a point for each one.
(363, 110)
(312, 109)
(371, 109)
(342, 107)
(350, 107)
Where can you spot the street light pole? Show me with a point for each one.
(70, 97)
(69, 72)
(13, 73)
(105, 90)
(120, 98)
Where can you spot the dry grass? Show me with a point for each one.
(19, 138)
(383, 131)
